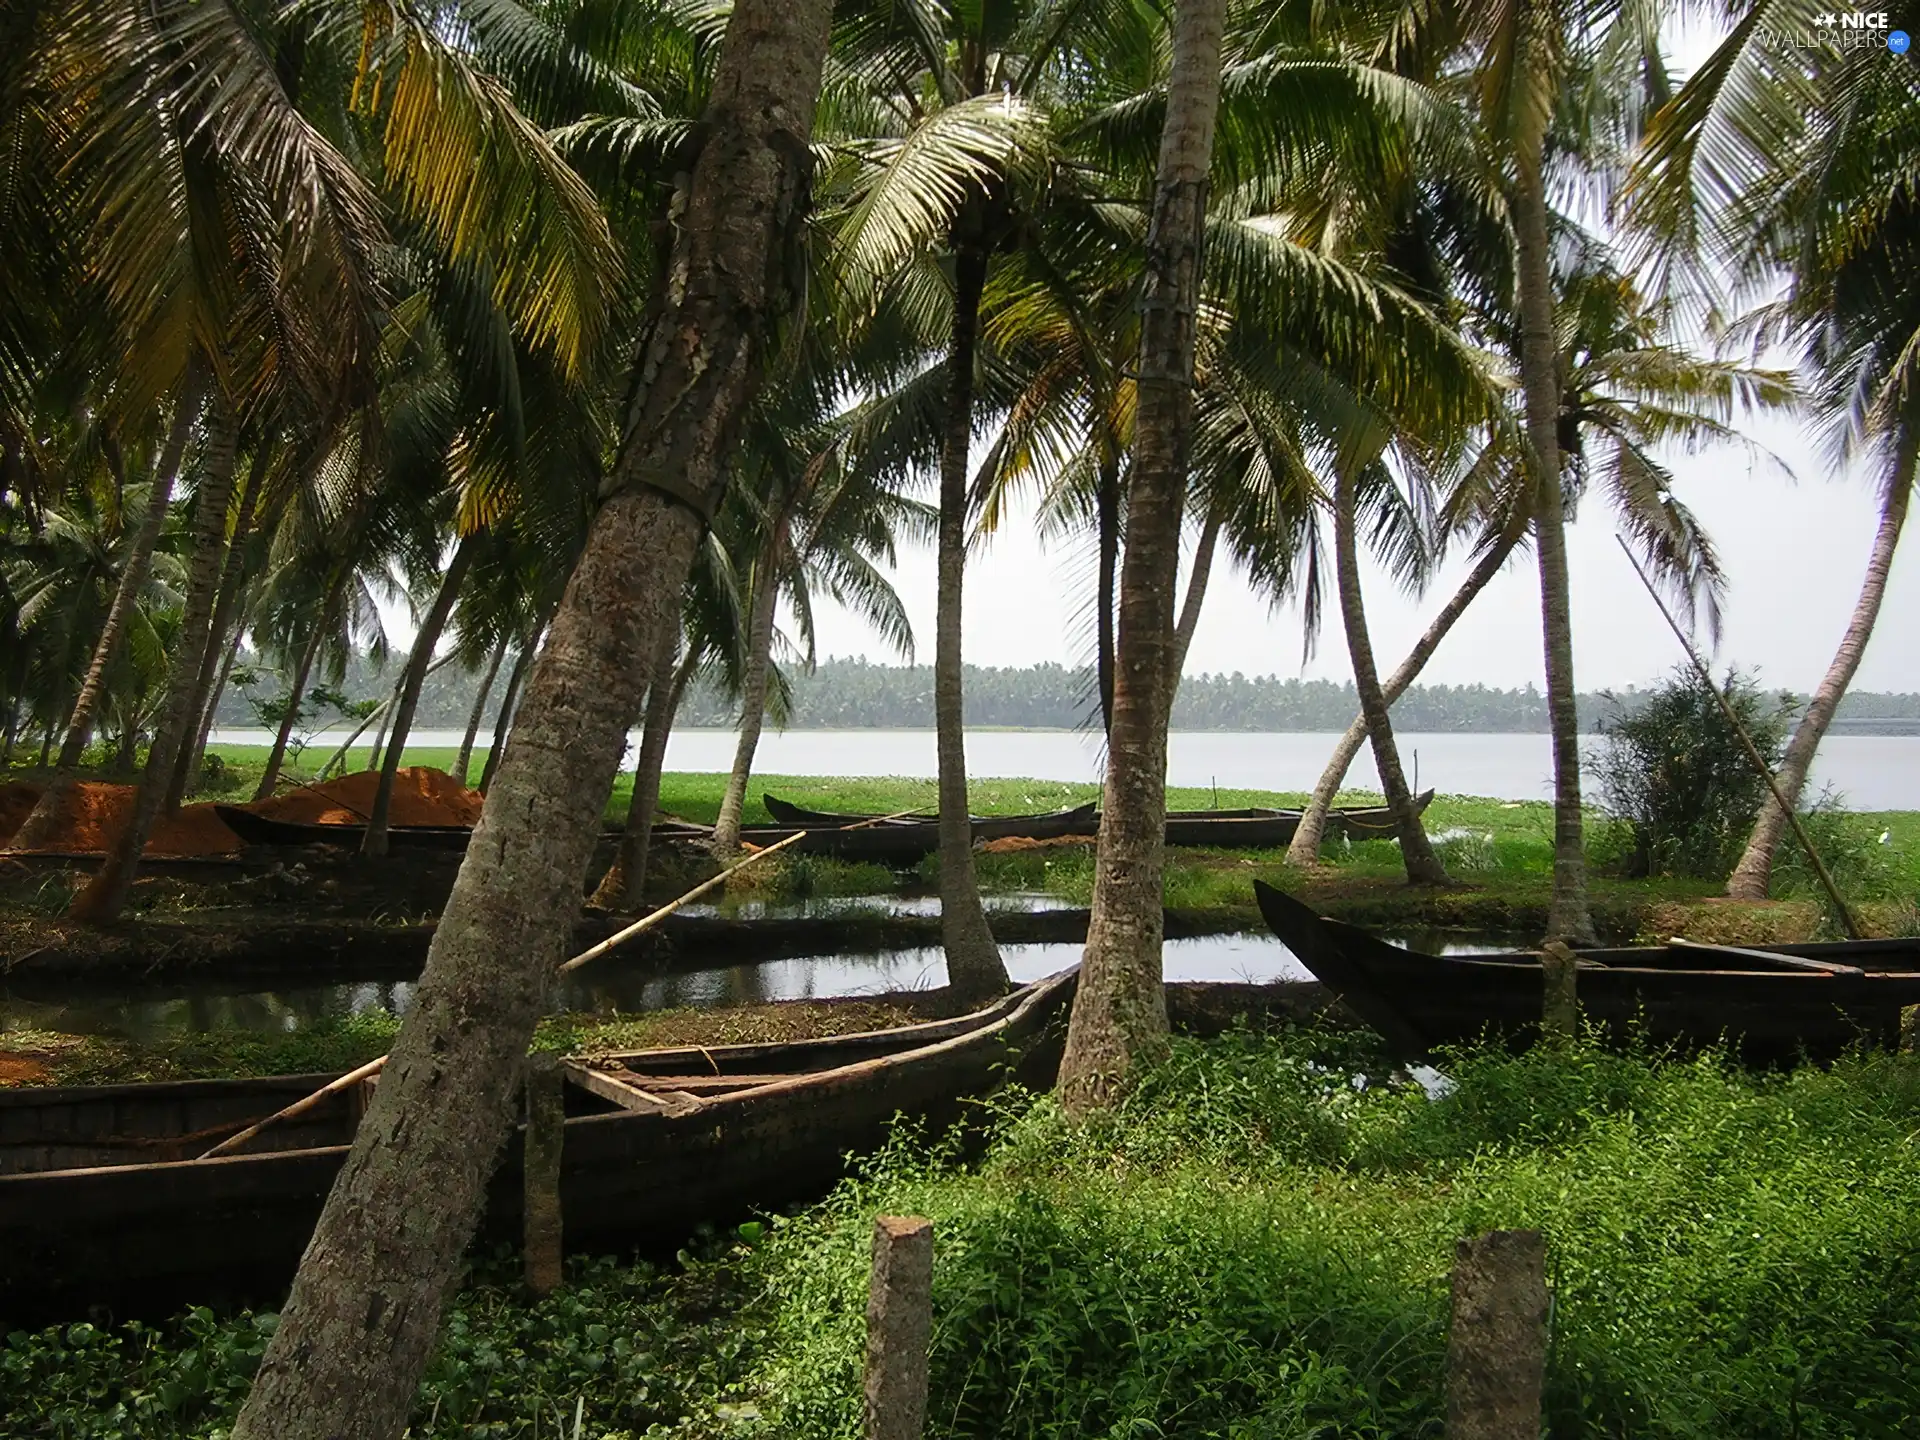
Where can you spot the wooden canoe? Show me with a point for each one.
(1264, 829)
(907, 842)
(101, 1204)
(259, 830)
(1042, 825)
(1775, 1003)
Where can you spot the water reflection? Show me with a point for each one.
(612, 988)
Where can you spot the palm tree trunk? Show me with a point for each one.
(373, 844)
(1108, 513)
(233, 579)
(1120, 1010)
(479, 711)
(1567, 916)
(364, 1313)
(753, 702)
(204, 729)
(1304, 851)
(1423, 866)
(270, 777)
(974, 968)
(1196, 595)
(1753, 876)
(503, 721)
(623, 887)
(106, 893)
(133, 579)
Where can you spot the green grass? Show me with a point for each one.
(1250, 1248)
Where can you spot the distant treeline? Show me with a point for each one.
(857, 695)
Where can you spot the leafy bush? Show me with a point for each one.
(1674, 773)
(1854, 849)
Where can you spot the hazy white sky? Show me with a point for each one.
(1793, 550)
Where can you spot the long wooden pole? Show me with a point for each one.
(372, 1067)
(1753, 752)
(648, 922)
(299, 1107)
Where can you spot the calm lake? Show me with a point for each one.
(1870, 772)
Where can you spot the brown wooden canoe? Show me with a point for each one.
(1775, 1004)
(100, 1202)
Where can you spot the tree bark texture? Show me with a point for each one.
(974, 967)
(364, 1312)
(1423, 866)
(1753, 876)
(753, 696)
(464, 759)
(1567, 916)
(233, 579)
(1120, 1010)
(270, 777)
(1107, 514)
(1197, 578)
(509, 703)
(374, 844)
(138, 565)
(624, 885)
(101, 901)
(1304, 850)
(1497, 1343)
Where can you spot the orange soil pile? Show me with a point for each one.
(95, 813)
(1013, 844)
(421, 796)
(19, 1070)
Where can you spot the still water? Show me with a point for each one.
(1870, 772)
(621, 990)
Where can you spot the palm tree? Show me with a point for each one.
(1119, 1010)
(1785, 163)
(422, 1155)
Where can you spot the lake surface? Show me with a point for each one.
(1870, 772)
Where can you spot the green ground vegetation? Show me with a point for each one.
(1254, 1245)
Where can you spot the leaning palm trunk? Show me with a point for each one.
(1567, 917)
(974, 967)
(753, 703)
(1423, 866)
(1203, 553)
(233, 579)
(509, 702)
(360, 1323)
(46, 811)
(624, 885)
(1120, 1011)
(104, 895)
(1304, 850)
(1107, 510)
(1753, 876)
(270, 777)
(479, 711)
(373, 844)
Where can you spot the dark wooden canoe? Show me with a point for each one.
(907, 842)
(1043, 825)
(259, 830)
(101, 1204)
(1776, 1003)
(1261, 829)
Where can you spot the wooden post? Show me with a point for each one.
(546, 1125)
(1910, 1029)
(1497, 1346)
(1560, 1010)
(899, 1324)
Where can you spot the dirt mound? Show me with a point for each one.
(421, 796)
(1013, 844)
(20, 1070)
(95, 812)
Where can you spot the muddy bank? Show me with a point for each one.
(269, 950)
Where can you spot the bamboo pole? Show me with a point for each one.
(299, 1107)
(648, 922)
(1753, 753)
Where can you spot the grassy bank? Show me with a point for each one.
(1251, 1248)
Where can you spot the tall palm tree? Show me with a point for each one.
(359, 1325)
(1119, 1010)
(1775, 162)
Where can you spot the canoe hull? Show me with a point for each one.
(145, 1238)
(1421, 1002)
(259, 830)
